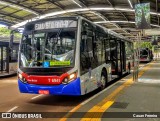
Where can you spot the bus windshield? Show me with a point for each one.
(48, 49)
(143, 53)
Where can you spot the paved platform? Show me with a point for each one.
(6, 74)
(125, 100)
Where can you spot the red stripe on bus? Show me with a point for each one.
(45, 80)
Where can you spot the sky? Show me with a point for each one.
(2, 25)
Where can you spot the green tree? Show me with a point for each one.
(4, 32)
(143, 45)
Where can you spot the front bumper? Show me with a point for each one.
(73, 88)
(144, 60)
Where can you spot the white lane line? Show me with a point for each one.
(88, 100)
(12, 109)
(36, 97)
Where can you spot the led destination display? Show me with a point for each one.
(55, 24)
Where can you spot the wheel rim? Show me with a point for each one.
(103, 82)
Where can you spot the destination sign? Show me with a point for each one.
(56, 24)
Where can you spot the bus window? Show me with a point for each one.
(14, 53)
(107, 50)
(113, 50)
(26, 50)
(86, 47)
(85, 54)
(99, 46)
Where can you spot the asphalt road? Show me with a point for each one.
(11, 100)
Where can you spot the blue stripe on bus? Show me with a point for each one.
(73, 88)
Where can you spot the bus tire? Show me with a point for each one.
(104, 80)
(129, 68)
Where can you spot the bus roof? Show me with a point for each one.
(76, 18)
(53, 18)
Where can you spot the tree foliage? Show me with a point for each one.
(140, 10)
(4, 32)
(143, 45)
(146, 45)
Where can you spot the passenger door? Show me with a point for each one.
(87, 60)
(4, 59)
(123, 57)
(113, 56)
(86, 55)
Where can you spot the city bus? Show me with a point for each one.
(8, 57)
(146, 55)
(70, 56)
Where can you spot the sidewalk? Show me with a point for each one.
(125, 96)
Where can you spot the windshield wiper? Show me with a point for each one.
(53, 46)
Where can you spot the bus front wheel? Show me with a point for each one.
(129, 68)
(103, 80)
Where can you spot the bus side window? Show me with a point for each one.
(86, 52)
(88, 48)
(107, 50)
(83, 57)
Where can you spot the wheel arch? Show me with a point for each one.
(104, 70)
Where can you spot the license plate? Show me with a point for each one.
(46, 92)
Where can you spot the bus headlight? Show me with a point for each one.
(70, 78)
(21, 78)
(65, 81)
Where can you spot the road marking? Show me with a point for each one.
(70, 113)
(12, 109)
(99, 111)
(127, 83)
(150, 81)
(36, 97)
(88, 100)
(109, 100)
(103, 105)
(83, 103)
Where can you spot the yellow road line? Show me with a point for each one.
(101, 106)
(98, 110)
(70, 113)
(105, 103)
(109, 100)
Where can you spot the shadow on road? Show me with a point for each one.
(66, 100)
